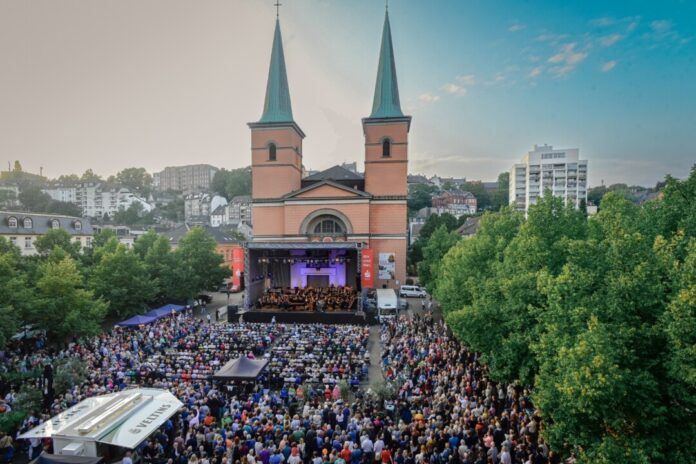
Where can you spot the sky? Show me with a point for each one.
(112, 84)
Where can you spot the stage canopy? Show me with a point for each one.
(136, 321)
(164, 311)
(241, 369)
(45, 458)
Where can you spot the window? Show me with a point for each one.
(78, 225)
(272, 152)
(329, 226)
(27, 242)
(27, 223)
(55, 224)
(386, 148)
(88, 242)
(13, 240)
(12, 222)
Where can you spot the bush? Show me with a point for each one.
(68, 373)
(10, 422)
(28, 399)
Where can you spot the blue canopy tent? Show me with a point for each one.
(135, 321)
(164, 311)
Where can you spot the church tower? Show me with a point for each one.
(386, 129)
(386, 168)
(276, 140)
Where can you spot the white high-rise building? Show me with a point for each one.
(560, 171)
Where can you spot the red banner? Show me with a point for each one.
(237, 265)
(367, 269)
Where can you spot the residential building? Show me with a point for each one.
(448, 182)
(96, 199)
(9, 195)
(199, 206)
(188, 179)
(23, 229)
(560, 171)
(219, 216)
(126, 236)
(239, 210)
(456, 203)
(415, 224)
(470, 227)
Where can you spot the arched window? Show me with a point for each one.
(12, 222)
(28, 223)
(386, 148)
(78, 225)
(271, 152)
(55, 224)
(327, 225)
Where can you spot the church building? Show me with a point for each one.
(336, 226)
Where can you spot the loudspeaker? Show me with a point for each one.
(232, 311)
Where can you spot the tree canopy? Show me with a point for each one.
(597, 316)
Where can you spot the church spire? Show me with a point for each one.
(386, 102)
(277, 107)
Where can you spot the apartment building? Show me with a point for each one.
(22, 229)
(187, 179)
(560, 171)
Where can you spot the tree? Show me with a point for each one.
(33, 199)
(90, 176)
(64, 308)
(129, 216)
(167, 273)
(232, 183)
(120, 278)
(57, 238)
(15, 294)
(500, 197)
(420, 196)
(438, 245)
(483, 199)
(197, 255)
(68, 178)
(136, 179)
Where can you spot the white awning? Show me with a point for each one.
(121, 419)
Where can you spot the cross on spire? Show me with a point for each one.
(277, 4)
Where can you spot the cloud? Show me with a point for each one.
(608, 66)
(516, 27)
(551, 38)
(428, 98)
(536, 71)
(467, 79)
(603, 21)
(454, 89)
(661, 25)
(567, 59)
(609, 40)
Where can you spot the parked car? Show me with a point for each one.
(411, 291)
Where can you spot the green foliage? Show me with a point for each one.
(136, 179)
(64, 308)
(56, 238)
(232, 183)
(29, 398)
(121, 278)
(420, 196)
(12, 421)
(196, 254)
(90, 176)
(15, 294)
(438, 245)
(68, 373)
(33, 199)
(599, 318)
(133, 215)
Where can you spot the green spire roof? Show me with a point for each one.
(386, 103)
(277, 107)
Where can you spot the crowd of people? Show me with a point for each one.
(443, 409)
(331, 298)
(320, 354)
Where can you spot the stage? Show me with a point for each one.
(304, 317)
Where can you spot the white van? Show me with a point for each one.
(411, 291)
(387, 304)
